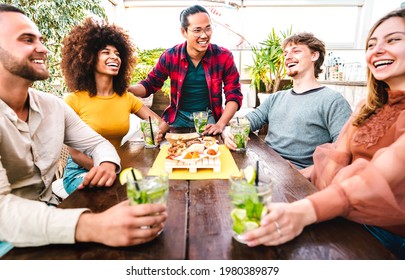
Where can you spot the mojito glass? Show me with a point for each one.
(149, 189)
(240, 129)
(200, 121)
(149, 135)
(248, 204)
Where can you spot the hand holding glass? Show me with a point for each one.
(248, 204)
(240, 129)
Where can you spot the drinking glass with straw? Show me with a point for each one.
(147, 189)
(150, 129)
(249, 195)
(240, 129)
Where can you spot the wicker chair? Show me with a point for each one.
(57, 185)
(62, 162)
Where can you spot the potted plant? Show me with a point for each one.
(268, 71)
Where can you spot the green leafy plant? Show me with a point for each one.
(55, 19)
(268, 70)
(146, 60)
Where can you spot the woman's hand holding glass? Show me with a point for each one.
(283, 222)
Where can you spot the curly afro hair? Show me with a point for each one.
(80, 52)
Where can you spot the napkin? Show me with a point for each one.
(228, 167)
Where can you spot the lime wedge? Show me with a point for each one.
(250, 174)
(149, 141)
(124, 173)
(250, 226)
(238, 214)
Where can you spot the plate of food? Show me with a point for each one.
(199, 153)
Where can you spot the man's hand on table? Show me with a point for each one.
(100, 176)
(121, 224)
(213, 129)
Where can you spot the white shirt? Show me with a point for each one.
(29, 152)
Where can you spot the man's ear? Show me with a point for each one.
(183, 32)
(315, 56)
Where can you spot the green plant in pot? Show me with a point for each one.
(268, 71)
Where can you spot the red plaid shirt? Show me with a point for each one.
(219, 67)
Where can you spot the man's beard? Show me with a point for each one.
(21, 69)
(292, 73)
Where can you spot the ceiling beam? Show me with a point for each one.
(247, 3)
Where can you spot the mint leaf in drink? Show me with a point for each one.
(238, 139)
(253, 209)
(143, 197)
(257, 211)
(247, 130)
(144, 126)
(202, 126)
(134, 196)
(250, 208)
(137, 197)
(238, 226)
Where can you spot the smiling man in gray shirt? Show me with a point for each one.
(305, 116)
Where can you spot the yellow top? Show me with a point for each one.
(107, 115)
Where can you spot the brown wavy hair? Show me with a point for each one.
(377, 90)
(80, 53)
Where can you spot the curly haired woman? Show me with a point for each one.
(97, 62)
(361, 176)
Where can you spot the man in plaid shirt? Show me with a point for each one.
(197, 69)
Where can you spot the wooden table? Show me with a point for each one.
(199, 225)
(210, 226)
